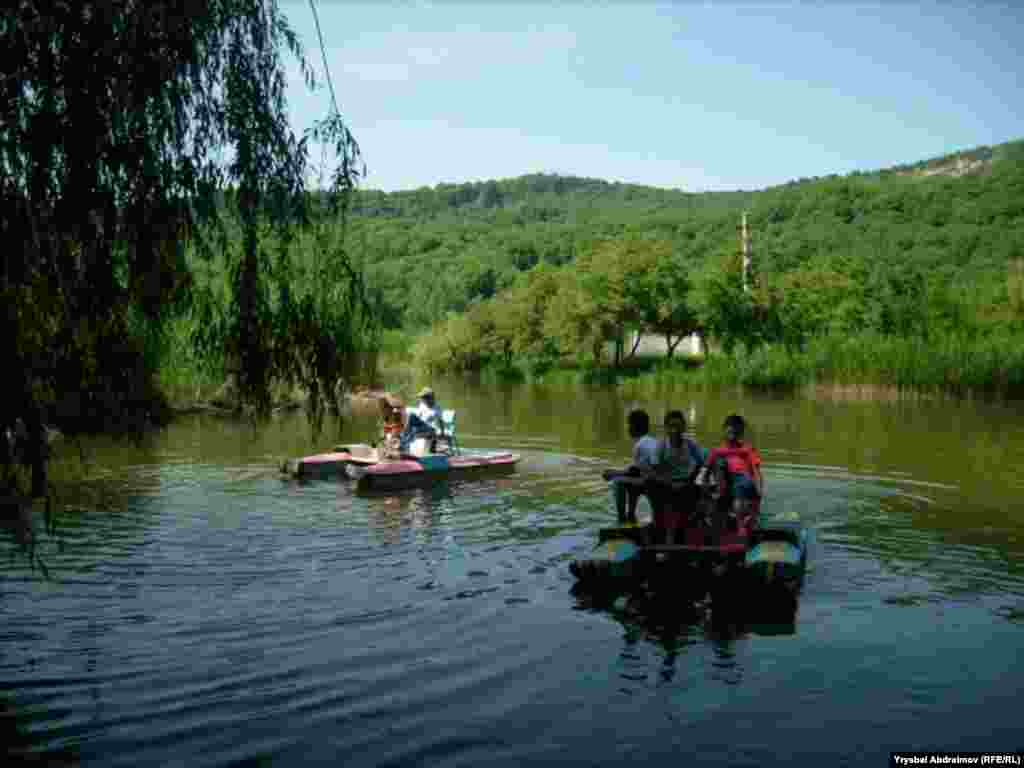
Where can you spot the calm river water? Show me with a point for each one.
(196, 609)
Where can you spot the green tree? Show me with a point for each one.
(726, 311)
(666, 308)
(575, 321)
(802, 304)
(111, 156)
(618, 277)
(529, 299)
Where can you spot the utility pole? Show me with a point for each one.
(745, 250)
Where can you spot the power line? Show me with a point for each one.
(323, 54)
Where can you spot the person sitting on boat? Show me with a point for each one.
(628, 484)
(743, 462)
(393, 416)
(679, 457)
(425, 421)
(679, 460)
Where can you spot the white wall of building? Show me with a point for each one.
(655, 345)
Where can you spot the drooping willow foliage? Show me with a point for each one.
(129, 128)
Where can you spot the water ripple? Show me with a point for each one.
(212, 612)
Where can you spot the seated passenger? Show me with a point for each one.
(393, 417)
(627, 485)
(679, 459)
(425, 421)
(743, 462)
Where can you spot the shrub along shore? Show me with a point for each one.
(862, 367)
(869, 366)
(873, 364)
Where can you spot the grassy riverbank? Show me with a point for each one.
(878, 365)
(190, 386)
(870, 365)
(958, 367)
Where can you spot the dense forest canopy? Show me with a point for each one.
(924, 248)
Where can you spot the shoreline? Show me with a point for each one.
(775, 373)
(640, 384)
(218, 407)
(635, 382)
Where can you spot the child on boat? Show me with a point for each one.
(679, 457)
(392, 411)
(743, 462)
(679, 460)
(629, 484)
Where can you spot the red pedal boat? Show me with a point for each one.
(364, 464)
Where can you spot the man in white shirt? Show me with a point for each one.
(627, 485)
(425, 421)
(428, 411)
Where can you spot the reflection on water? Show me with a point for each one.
(665, 632)
(199, 608)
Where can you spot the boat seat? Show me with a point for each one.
(448, 419)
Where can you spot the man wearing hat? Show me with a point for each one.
(425, 421)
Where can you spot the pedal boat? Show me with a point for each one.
(364, 464)
(713, 551)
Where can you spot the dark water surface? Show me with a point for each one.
(198, 610)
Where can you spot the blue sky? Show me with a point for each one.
(696, 97)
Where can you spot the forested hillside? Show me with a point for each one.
(434, 250)
(547, 268)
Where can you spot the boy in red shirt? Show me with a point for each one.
(744, 463)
